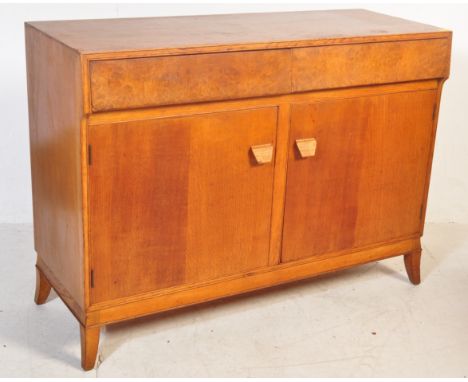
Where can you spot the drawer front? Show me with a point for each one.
(365, 64)
(155, 81)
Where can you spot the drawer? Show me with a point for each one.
(372, 63)
(155, 81)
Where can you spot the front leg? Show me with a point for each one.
(89, 346)
(413, 265)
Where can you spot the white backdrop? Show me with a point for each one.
(448, 197)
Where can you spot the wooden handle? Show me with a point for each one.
(263, 153)
(306, 147)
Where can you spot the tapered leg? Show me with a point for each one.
(89, 346)
(412, 265)
(42, 288)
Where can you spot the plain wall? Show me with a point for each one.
(448, 196)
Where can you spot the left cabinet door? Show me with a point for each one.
(179, 200)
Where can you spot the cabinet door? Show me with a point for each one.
(366, 182)
(178, 200)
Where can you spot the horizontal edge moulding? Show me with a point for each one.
(105, 55)
(149, 303)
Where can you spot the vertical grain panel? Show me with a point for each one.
(178, 200)
(55, 113)
(138, 206)
(230, 194)
(365, 183)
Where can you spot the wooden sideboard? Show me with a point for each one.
(180, 160)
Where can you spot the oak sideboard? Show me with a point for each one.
(179, 160)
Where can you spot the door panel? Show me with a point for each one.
(178, 200)
(366, 182)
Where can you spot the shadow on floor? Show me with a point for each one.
(439, 243)
(54, 334)
(117, 334)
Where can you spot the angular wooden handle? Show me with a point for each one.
(306, 147)
(263, 153)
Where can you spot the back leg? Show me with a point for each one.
(413, 265)
(42, 288)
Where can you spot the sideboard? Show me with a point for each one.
(180, 160)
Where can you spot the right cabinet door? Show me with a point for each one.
(366, 181)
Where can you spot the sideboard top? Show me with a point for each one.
(232, 31)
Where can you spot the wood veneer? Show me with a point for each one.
(155, 81)
(185, 159)
(212, 184)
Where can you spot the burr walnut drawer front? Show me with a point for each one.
(338, 66)
(155, 81)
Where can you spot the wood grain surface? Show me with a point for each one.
(55, 112)
(365, 183)
(143, 82)
(183, 200)
(180, 160)
(363, 64)
(173, 298)
(240, 31)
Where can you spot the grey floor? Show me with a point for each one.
(368, 321)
